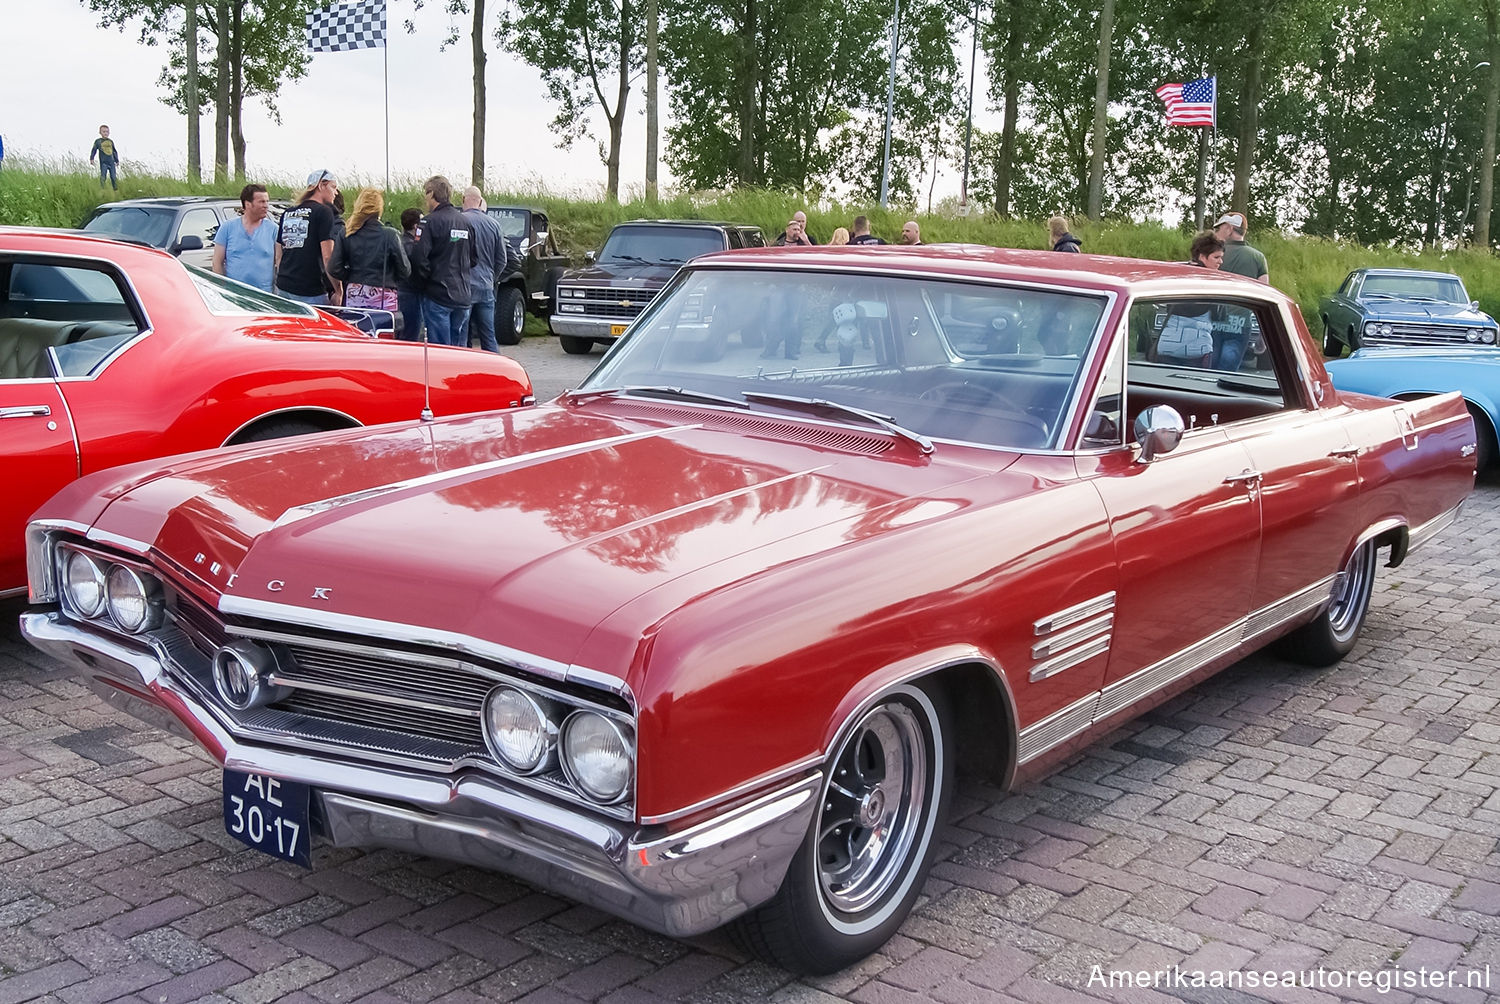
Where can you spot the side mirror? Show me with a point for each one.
(588, 256)
(1158, 429)
(541, 236)
(192, 242)
(525, 247)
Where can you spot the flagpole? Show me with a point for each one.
(385, 59)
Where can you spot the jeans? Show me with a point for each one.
(1231, 353)
(482, 319)
(444, 323)
(108, 167)
(409, 302)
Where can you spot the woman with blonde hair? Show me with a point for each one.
(370, 259)
(840, 236)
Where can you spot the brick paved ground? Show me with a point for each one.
(1270, 819)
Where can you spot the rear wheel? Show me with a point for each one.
(575, 346)
(862, 864)
(510, 316)
(279, 428)
(1332, 635)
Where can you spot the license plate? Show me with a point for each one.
(617, 329)
(269, 814)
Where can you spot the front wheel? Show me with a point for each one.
(1332, 347)
(575, 346)
(510, 316)
(1332, 635)
(862, 864)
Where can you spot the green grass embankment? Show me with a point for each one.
(1306, 268)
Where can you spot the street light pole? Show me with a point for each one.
(890, 107)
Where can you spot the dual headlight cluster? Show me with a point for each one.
(1474, 336)
(531, 735)
(95, 588)
(565, 293)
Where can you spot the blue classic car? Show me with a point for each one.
(1397, 306)
(1409, 373)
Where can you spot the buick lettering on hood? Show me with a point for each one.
(704, 641)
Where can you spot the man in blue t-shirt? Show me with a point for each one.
(245, 249)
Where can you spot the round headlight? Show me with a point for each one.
(1487, 336)
(518, 730)
(134, 599)
(598, 756)
(1386, 330)
(1473, 335)
(84, 582)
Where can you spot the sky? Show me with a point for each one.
(71, 76)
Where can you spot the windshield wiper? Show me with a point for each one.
(625, 257)
(658, 390)
(886, 422)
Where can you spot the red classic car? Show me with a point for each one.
(704, 640)
(111, 353)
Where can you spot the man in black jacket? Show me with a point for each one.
(441, 261)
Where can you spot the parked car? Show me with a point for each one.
(111, 353)
(532, 287)
(598, 302)
(184, 225)
(1397, 306)
(703, 641)
(1411, 373)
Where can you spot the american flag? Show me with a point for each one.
(1189, 104)
(358, 25)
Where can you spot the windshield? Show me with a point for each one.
(659, 245)
(513, 223)
(956, 360)
(225, 296)
(1442, 288)
(139, 223)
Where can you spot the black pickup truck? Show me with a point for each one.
(597, 303)
(533, 285)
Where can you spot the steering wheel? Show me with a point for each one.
(961, 393)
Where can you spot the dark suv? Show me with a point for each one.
(533, 285)
(597, 303)
(182, 224)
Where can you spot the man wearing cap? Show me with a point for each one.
(1240, 258)
(304, 242)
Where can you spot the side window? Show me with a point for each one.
(1351, 285)
(1209, 359)
(754, 239)
(80, 313)
(201, 223)
(1105, 425)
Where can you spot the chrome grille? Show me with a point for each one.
(1421, 334)
(458, 728)
(603, 301)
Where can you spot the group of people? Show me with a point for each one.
(439, 272)
(1225, 249)
(796, 233)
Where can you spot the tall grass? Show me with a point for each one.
(61, 193)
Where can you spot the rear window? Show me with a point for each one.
(139, 223)
(225, 296)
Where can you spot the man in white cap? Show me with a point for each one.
(1239, 257)
(304, 242)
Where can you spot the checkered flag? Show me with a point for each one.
(358, 25)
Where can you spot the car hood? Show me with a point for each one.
(624, 275)
(522, 529)
(1423, 310)
(1478, 355)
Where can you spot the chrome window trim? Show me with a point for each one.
(119, 272)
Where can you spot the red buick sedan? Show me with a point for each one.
(111, 353)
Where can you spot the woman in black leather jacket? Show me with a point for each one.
(370, 260)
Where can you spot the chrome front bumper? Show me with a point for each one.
(679, 883)
(583, 326)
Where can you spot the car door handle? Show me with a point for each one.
(1345, 453)
(27, 411)
(1247, 477)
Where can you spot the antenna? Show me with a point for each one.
(426, 383)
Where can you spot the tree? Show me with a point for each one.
(1491, 10)
(259, 45)
(588, 51)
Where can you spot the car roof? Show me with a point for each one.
(172, 201)
(81, 242)
(1413, 272)
(715, 224)
(977, 261)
